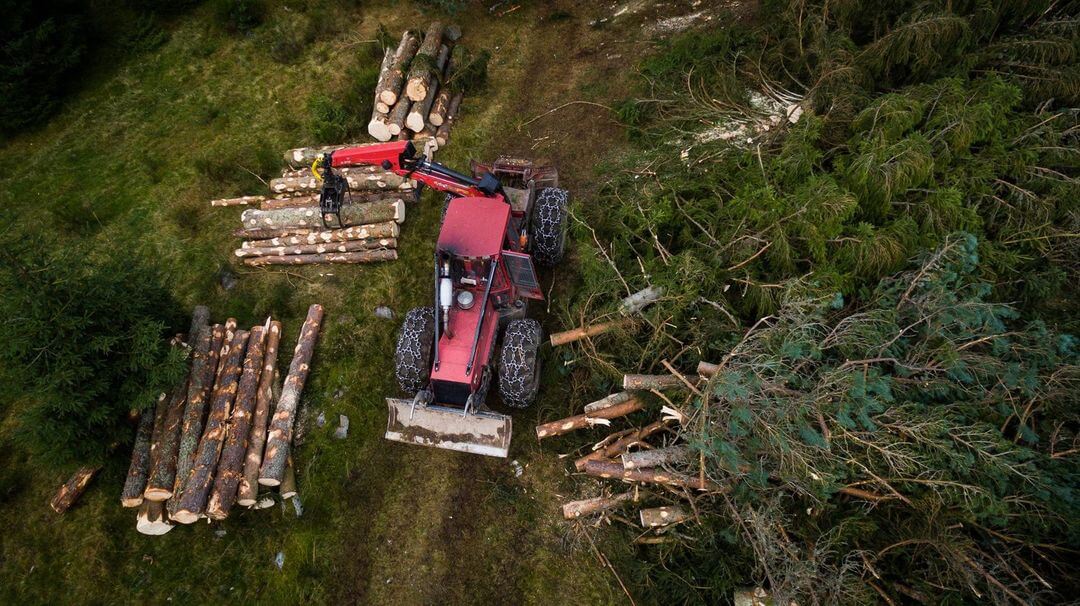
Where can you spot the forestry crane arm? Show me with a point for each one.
(401, 158)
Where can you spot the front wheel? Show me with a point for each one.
(415, 350)
(519, 363)
(548, 226)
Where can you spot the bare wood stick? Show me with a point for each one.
(656, 517)
(613, 399)
(151, 519)
(389, 229)
(611, 470)
(390, 86)
(617, 447)
(72, 489)
(247, 494)
(317, 249)
(241, 201)
(363, 256)
(584, 507)
(655, 457)
(140, 462)
(279, 438)
(599, 417)
(577, 334)
(660, 382)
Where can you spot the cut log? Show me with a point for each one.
(203, 368)
(600, 417)
(660, 382)
(316, 249)
(577, 334)
(294, 202)
(223, 351)
(72, 489)
(132, 495)
(641, 299)
(387, 209)
(227, 478)
(279, 438)
(351, 258)
(656, 517)
(614, 448)
(151, 519)
(159, 485)
(241, 201)
(419, 112)
(161, 410)
(442, 136)
(200, 318)
(358, 182)
(612, 400)
(247, 493)
(612, 470)
(585, 507)
(260, 233)
(707, 369)
(395, 119)
(389, 88)
(437, 116)
(193, 500)
(388, 229)
(380, 109)
(288, 483)
(422, 71)
(304, 156)
(656, 457)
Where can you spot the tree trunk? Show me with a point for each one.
(612, 400)
(151, 519)
(358, 181)
(389, 89)
(72, 489)
(241, 201)
(656, 517)
(617, 447)
(646, 382)
(279, 438)
(227, 478)
(203, 368)
(611, 470)
(193, 501)
(132, 495)
(442, 136)
(439, 108)
(577, 334)
(288, 483)
(296, 202)
(353, 258)
(600, 417)
(585, 507)
(655, 457)
(395, 120)
(422, 71)
(247, 493)
(388, 229)
(312, 249)
(388, 209)
(419, 112)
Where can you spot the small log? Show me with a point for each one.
(135, 483)
(659, 382)
(317, 249)
(585, 507)
(442, 136)
(422, 71)
(203, 368)
(379, 108)
(193, 500)
(358, 182)
(161, 410)
(241, 201)
(247, 493)
(615, 448)
(288, 483)
(388, 209)
(656, 517)
(388, 229)
(200, 317)
(577, 334)
(389, 88)
(227, 478)
(419, 112)
(600, 417)
(612, 470)
(279, 438)
(395, 119)
(304, 156)
(260, 233)
(223, 351)
(73, 489)
(294, 202)
(655, 457)
(163, 471)
(352, 258)
(707, 369)
(612, 400)
(641, 299)
(439, 108)
(151, 519)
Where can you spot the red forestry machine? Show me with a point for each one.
(495, 224)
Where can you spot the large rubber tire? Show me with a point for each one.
(548, 226)
(415, 350)
(519, 363)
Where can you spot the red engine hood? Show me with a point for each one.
(454, 351)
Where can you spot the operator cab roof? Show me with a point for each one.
(474, 227)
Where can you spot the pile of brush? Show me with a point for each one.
(225, 430)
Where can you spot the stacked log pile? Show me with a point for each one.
(199, 453)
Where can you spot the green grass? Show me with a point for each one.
(140, 152)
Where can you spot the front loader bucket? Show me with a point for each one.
(485, 433)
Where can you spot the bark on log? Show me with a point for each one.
(151, 519)
(646, 382)
(612, 470)
(314, 249)
(563, 426)
(304, 156)
(442, 136)
(161, 409)
(163, 470)
(203, 367)
(387, 209)
(421, 71)
(617, 447)
(193, 501)
(295, 202)
(419, 112)
(200, 318)
(707, 369)
(577, 334)
(223, 351)
(388, 229)
(241, 201)
(248, 491)
(261, 233)
(132, 495)
(612, 400)
(439, 108)
(358, 182)
(227, 478)
(72, 489)
(395, 120)
(279, 438)
(351, 258)
(288, 483)
(390, 87)
(379, 108)
(585, 507)
(656, 457)
(656, 517)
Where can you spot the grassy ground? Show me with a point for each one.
(139, 153)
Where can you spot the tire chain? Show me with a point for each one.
(517, 376)
(411, 368)
(549, 223)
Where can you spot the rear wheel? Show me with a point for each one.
(415, 350)
(519, 363)
(548, 226)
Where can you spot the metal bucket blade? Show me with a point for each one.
(485, 433)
